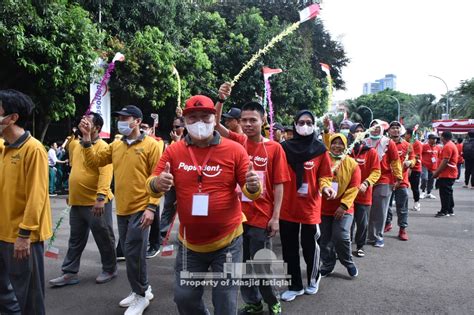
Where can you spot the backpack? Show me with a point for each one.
(468, 149)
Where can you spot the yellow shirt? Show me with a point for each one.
(24, 202)
(85, 183)
(132, 164)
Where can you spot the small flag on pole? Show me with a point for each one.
(309, 13)
(326, 69)
(267, 72)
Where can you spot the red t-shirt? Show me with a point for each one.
(460, 156)
(402, 149)
(306, 208)
(449, 152)
(269, 160)
(227, 166)
(329, 207)
(429, 156)
(368, 162)
(391, 154)
(417, 151)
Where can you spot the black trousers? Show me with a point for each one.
(469, 172)
(154, 239)
(446, 194)
(290, 243)
(415, 184)
(22, 281)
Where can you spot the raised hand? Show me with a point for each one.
(224, 91)
(85, 127)
(252, 180)
(165, 180)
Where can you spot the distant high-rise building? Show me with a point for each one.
(388, 82)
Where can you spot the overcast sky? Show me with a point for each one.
(409, 38)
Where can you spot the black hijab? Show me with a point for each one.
(301, 149)
(358, 147)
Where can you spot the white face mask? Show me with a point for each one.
(124, 128)
(200, 130)
(2, 127)
(304, 130)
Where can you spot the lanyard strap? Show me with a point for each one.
(200, 168)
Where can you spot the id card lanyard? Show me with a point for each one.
(200, 168)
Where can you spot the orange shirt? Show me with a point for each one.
(269, 160)
(306, 208)
(429, 156)
(449, 152)
(368, 162)
(227, 166)
(460, 156)
(390, 155)
(417, 151)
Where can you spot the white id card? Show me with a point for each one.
(245, 199)
(200, 205)
(433, 159)
(335, 186)
(261, 176)
(303, 191)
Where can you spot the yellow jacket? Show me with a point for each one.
(132, 164)
(24, 202)
(85, 183)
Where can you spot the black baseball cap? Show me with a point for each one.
(432, 136)
(395, 123)
(233, 113)
(278, 126)
(129, 110)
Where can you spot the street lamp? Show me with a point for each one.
(371, 112)
(447, 92)
(398, 106)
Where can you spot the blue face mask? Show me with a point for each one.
(124, 128)
(375, 137)
(345, 132)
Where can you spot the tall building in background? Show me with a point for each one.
(388, 82)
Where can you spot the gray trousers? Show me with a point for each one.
(378, 211)
(335, 239)
(81, 221)
(134, 241)
(188, 298)
(360, 223)
(22, 281)
(254, 239)
(401, 202)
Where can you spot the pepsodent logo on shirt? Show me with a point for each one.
(208, 171)
(259, 161)
(309, 165)
(361, 161)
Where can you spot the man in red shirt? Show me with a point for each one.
(389, 163)
(447, 173)
(429, 162)
(263, 214)
(205, 170)
(416, 148)
(407, 159)
(369, 165)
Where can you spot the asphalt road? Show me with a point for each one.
(431, 273)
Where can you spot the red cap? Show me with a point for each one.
(199, 102)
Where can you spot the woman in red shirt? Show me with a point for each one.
(310, 174)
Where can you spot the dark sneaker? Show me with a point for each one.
(441, 214)
(120, 258)
(65, 279)
(352, 271)
(360, 252)
(251, 309)
(105, 277)
(325, 273)
(152, 252)
(275, 309)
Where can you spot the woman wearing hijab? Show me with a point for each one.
(369, 165)
(310, 174)
(337, 214)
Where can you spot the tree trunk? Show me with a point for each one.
(47, 121)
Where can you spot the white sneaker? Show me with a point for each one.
(131, 297)
(423, 196)
(314, 287)
(417, 206)
(138, 305)
(291, 295)
(431, 196)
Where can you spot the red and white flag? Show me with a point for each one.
(326, 68)
(267, 72)
(309, 13)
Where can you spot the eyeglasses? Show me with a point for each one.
(301, 123)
